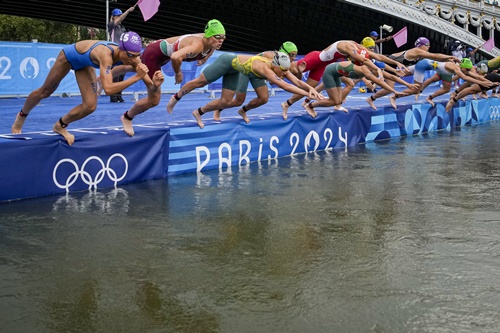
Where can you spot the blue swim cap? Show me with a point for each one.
(116, 12)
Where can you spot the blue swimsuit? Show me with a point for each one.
(82, 60)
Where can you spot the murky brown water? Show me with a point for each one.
(392, 237)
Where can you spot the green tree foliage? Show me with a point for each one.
(91, 33)
(23, 29)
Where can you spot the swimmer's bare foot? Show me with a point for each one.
(370, 101)
(430, 101)
(70, 138)
(449, 105)
(392, 99)
(18, 124)
(171, 104)
(309, 109)
(340, 108)
(127, 125)
(217, 115)
(197, 115)
(284, 106)
(243, 115)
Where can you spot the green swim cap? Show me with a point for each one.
(288, 47)
(466, 63)
(214, 27)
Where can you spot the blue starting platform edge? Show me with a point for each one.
(39, 162)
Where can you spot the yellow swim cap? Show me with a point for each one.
(368, 42)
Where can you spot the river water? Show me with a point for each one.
(398, 236)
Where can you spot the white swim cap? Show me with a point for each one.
(483, 68)
(282, 60)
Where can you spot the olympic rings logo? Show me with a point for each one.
(86, 176)
(494, 112)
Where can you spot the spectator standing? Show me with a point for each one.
(375, 36)
(116, 29)
(471, 54)
(458, 50)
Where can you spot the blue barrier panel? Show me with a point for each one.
(35, 164)
(24, 67)
(422, 118)
(46, 165)
(236, 143)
